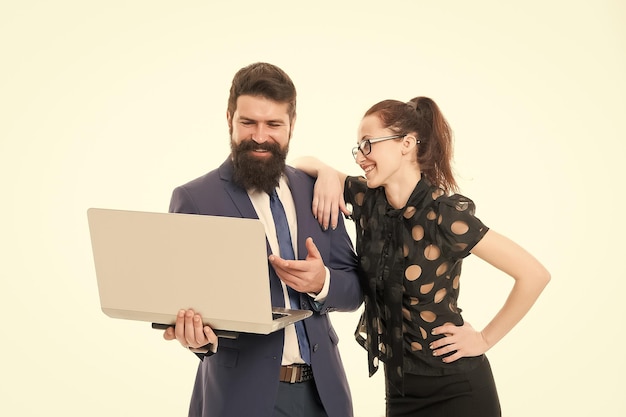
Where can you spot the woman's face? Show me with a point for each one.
(383, 161)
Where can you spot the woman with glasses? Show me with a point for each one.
(412, 233)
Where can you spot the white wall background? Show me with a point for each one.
(114, 103)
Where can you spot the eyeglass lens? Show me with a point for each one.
(365, 147)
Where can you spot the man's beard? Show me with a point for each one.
(252, 172)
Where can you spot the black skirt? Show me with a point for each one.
(469, 394)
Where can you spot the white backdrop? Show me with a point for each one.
(114, 103)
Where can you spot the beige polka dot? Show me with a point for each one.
(440, 295)
(406, 313)
(405, 250)
(432, 252)
(409, 212)
(414, 301)
(358, 198)
(437, 193)
(458, 247)
(428, 316)
(442, 269)
(452, 307)
(459, 227)
(426, 288)
(455, 282)
(462, 205)
(440, 219)
(424, 334)
(417, 232)
(431, 215)
(416, 346)
(381, 347)
(413, 272)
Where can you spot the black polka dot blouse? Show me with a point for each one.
(410, 261)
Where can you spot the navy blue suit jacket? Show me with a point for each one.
(242, 378)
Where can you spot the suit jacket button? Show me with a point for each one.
(315, 347)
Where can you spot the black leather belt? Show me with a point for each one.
(296, 373)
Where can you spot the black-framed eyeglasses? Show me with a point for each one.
(366, 146)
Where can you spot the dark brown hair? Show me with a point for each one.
(422, 115)
(263, 80)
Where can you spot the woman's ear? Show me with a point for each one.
(409, 142)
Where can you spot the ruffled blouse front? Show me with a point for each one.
(411, 262)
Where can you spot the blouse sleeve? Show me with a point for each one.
(353, 193)
(459, 229)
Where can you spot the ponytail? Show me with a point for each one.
(436, 144)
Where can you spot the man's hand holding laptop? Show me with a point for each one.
(191, 333)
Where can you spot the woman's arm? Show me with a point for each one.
(530, 279)
(328, 192)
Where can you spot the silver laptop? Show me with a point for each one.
(150, 265)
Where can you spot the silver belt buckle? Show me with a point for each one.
(294, 372)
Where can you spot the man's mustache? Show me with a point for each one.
(250, 145)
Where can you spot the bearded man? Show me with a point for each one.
(296, 371)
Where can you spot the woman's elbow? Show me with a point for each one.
(543, 277)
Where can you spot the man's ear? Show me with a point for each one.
(229, 119)
(292, 126)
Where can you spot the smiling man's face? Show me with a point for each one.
(260, 131)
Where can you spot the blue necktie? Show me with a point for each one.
(286, 252)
